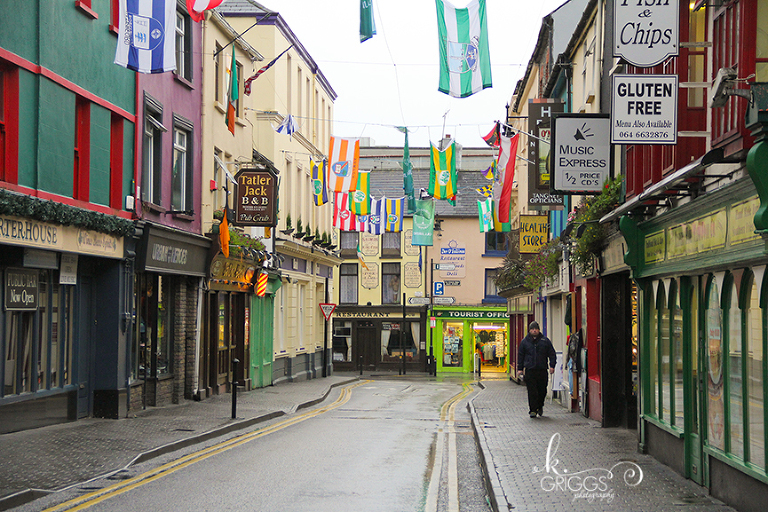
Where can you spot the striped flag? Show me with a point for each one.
(375, 223)
(343, 163)
(319, 190)
(234, 93)
(485, 208)
(247, 83)
(492, 139)
(393, 210)
(197, 8)
(442, 172)
(360, 256)
(360, 198)
(505, 175)
(465, 62)
(343, 218)
(501, 227)
(147, 40)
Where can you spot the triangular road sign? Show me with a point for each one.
(327, 310)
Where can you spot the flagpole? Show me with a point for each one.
(242, 33)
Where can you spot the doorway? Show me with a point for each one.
(366, 344)
(491, 345)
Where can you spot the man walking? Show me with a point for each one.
(532, 357)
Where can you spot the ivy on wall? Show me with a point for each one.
(43, 210)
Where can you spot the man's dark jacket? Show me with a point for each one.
(533, 353)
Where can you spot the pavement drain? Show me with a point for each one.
(692, 500)
(183, 430)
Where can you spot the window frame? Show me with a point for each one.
(489, 298)
(182, 125)
(348, 283)
(492, 244)
(152, 152)
(9, 123)
(346, 249)
(388, 276)
(391, 244)
(183, 54)
(82, 150)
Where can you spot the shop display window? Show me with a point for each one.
(342, 341)
(395, 342)
(453, 335)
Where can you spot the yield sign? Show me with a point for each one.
(327, 310)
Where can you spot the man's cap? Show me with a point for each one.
(534, 325)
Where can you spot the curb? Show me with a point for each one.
(28, 495)
(493, 483)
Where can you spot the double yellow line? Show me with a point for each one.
(448, 410)
(95, 497)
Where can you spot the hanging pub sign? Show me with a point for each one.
(256, 197)
(581, 153)
(644, 109)
(534, 233)
(21, 289)
(646, 31)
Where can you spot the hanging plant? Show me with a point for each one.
(544, 265)
(591, 241)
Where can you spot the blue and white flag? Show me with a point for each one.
(146, 42)
(288, 126)
(375, 222)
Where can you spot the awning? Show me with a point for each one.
(677, 183)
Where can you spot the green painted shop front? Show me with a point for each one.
(463, 334)
(261, 334)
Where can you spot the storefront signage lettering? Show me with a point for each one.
(369, 244)
(21, 289)
(28, 232)
(68, 272)
(453, 253)
(256, 200)
(410, 249)
(96, 243)
(375, 314)
(644, 109)
(655, 247)
(411, 275)
(369, 277)
(169, 254)
(469, 314)
(540, 115)
(741, 221)
(646, 31)
(534, 233)
(581, 153)
(231, 270)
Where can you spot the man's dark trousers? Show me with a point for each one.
(536, 381)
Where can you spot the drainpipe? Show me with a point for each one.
(198, 335)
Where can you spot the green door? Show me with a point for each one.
(262, 329)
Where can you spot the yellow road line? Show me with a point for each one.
(93, 498)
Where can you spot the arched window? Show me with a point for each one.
(734, 371)
(676, 353)
(714, 343)
(755, 353)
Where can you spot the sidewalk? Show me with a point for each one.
(38, 461)
(578, 476)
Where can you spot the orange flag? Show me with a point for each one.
(224, 234)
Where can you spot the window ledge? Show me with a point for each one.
(664, 426)
(114, 29)
(220, 107)
(86, 9)
(183, 81)
(736, 463)
(153, 207)
(183, 216)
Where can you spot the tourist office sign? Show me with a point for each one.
(646, 31)
(581, 153)
(644, 109)
(256, 198)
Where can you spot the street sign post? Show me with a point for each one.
(418, 300)
(444, 300)
(445, 266)
(439, 288)
(327, 309)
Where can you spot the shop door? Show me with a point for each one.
(261, 340)
(367, 344)
(84, 330)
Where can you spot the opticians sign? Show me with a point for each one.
(644, 109)
(581, 153)
(646, 31)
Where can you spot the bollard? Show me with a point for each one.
(234, 388)
(479, 366)
(361, 365)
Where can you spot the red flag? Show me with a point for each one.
(196, 8)
(247, 83)
(492, 139)
(502, 187)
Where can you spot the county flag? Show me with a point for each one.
(344, 158)
(360, 256)
(196, 8)
(490, 172)
(465, 62)
(367, 23)
(147, 41)
(501, 227)
(288, 126)
(423, 222)
(485, 209)
(360, 198)
(442, 172)
(224, 233)
(247, 83)
(408, 173)
(319, 190)
(343, 218)
(393, 210)
(234, 93)
(487, 191)
(375, 223)
(505, 175)
(492, 139)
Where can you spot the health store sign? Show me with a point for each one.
(646, 31)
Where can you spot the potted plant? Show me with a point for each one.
(299, 229)
(325, 242)
(288, 227)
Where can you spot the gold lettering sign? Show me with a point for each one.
(655, 247)
(742, 221)
(534, 233)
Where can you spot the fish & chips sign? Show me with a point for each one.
(646, 31)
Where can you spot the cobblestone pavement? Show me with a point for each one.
(564, 461)
(513, 446)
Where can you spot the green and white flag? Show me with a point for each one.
(485, 209)
(407, 174)
(423, 222)
(465, 62)
(367, 23)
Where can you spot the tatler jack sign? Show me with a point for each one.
(646, 31)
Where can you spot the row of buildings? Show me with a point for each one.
(658, 304)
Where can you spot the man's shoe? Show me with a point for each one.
(540, 412)
(532, 414)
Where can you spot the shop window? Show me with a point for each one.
(398, 338)
(676, 351)
(453, 336)
(390, 245)
(153, 346)
(342, 341)
(348, 283)
(735, 391)
(694, 329)
(183, 44)
(349, 241)
(491, 291)
(152, 163)
(653, 366)
(390, 283)
(491, 344)
(714, 356)
(754, 375)
(181, 182)
(665, 363)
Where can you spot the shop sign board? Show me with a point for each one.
(581, 153)
(444, 300)
(256, 198)
(418, 300)
(541, 196)
(646, 31)
(534, 233)
(644, 109)
(21, 289)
